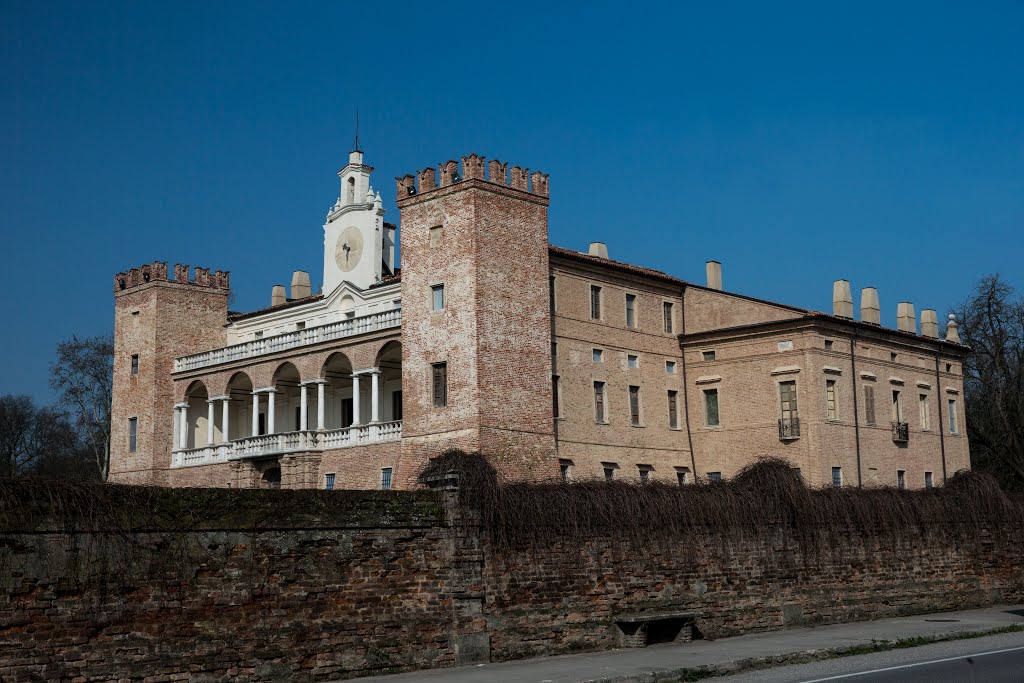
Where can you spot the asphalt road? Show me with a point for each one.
(991, 659)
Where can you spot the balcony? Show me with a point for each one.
(291, 340)
(900, 432)
(789, 428)
(289, 442)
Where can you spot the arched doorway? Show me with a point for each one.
(271, 479)
(196, 430)
(239, 392)
(339, 409)
(287, 400)
(389, 361)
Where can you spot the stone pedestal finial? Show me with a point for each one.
(842, 299)
(929, 323)
(869, 308)
(952, 333)
(906, 319)
(599, 249)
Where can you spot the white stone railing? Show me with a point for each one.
(291, 340)
(289, 442)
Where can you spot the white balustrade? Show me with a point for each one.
(291, 340)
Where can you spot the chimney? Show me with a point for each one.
(929, 323)
(842, 299)
(300, 284)
(598, 249)
(869, 310)
(277, 296)
(714, 271)
(952, 333)
(906, 321)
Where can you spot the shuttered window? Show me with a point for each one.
(634, 406)
(869, 405)
(787, 400)
(595, 302)
(667, 313)
(440, 382)
(599, 410)
(673, 409)
(830, 399)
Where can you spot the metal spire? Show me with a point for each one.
(355, 144)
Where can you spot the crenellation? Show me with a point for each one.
(539, 183)
(404, 186)
(202, 277)
(473, 167)
(520, 179)
(449, 173)
(497, 172)
(181, 273)
(427, 179)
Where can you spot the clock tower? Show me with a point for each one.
(358, 246)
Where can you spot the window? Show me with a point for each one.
(787, 400)
(565, 469)
(893, 357)
(928, 483)
(133, 433)
(634, 406)
(714, 476)
(300, 326)
(673, 409)
(258, 335)
(598, 355)
(437, 293)
(135, 363)
(829, 344)
(633, 362)
(609, 470)
(329, 481)
(440, 381)
(830, 399)
(711, 407)
(897, 411)
(435, 235)
(551, 293)
(670, 367)
(837, 477)
(645, 473)
(631, 310)
(666, 311)
(682, 475)
(923, 408)
(949, 367)
(869, 405)
(901, 479)
(595, 302)
(396, 405)
(952, 416)
(351, 191)
(599, 409)
(385, 479)
(707, 355)
(554, 396)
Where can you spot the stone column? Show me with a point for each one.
(225, 426)
(255, 413)
(375, 395)
(270, 411)
(183, 426)
(355, 400)
(303, 407)
(320, 387)
(209, 422)
(176, 426)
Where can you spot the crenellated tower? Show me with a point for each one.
(476, 355)
(157, 318)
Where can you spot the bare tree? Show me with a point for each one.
(83, 376)
(992, 324)
(17, 442)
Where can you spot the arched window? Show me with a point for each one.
(351, 191)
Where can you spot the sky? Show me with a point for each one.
(796, 143)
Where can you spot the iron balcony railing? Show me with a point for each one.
(900, 432)
(789, 428)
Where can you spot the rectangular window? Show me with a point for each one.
(133, 433)
(437, 297)
(901, 479)
(634, 406)
(396, 405)
(598, 355)
(714, 476)
(711, 407)
(645, 473)
(923, 408)
(385, 479)
(893, 357)
(595, 302)
(135, 363)
(952, 416)
(565, 469)
(670, 367)
(829, 344)
(631, 310)
(551, 293)
(609, 470)
(830, 399)
(707, 355)
(787, 400)
(869, 405)
(347, 412)
(633, 362)
(440, 381)
(673, 409)
(666, 310)
(298, 419)
(554, 396)
(897, 411)
(682, 475)
(329, 482)
(599, 408)
(837, 477)
(928, 483)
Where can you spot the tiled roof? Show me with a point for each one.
(616, 265)
(233, 315)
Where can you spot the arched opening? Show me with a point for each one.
(239, 392)
(351, 191)
(196, 430)
(389, 360)
(339, 410)
(284, 415)
(271, 479)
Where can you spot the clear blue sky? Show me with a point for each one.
(796, 143)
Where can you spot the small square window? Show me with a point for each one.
(829, 344)
(609, 470)
(258, 335)
(565, 469)
(633, 361)
(645, 473)
(329, 482)
(714, 476)
(670, 367)
(385, 479)
(300, 326)
(949, 367)
(598, 355)
(682, 475)
(707, 355)
(437, 300)
(135, 363)
(893, 356)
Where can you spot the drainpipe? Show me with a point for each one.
(686, 386)
(942, 430)
(856, 410)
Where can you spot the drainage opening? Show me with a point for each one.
(671, 631)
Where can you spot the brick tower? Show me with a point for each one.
(476, 337)
(155, 320)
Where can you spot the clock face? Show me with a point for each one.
(348, 249)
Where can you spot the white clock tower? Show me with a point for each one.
(358, 247)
